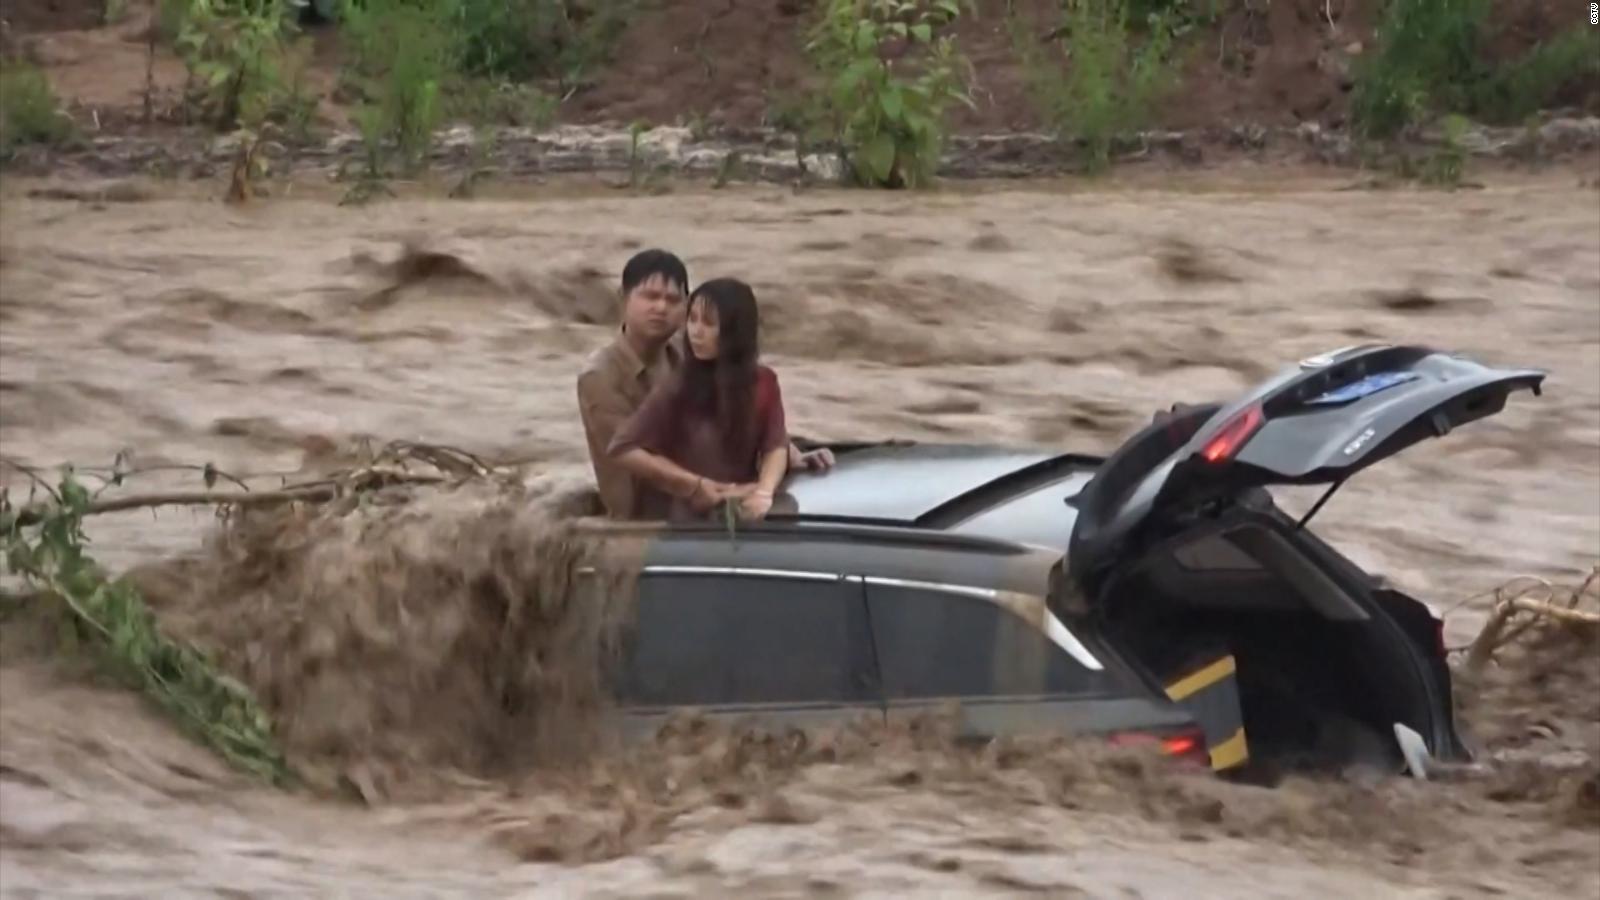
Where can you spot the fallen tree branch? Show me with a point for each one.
(317, 492)
(1559, 613)
(1493, 636)
(442, 457)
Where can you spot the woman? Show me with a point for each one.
(715, 429)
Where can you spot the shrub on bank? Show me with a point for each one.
(1430, 58)
(889, 72)
(526, 40)
(29, 111)
(403, 52)
(1105, 79)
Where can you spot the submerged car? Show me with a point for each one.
(1157, 594)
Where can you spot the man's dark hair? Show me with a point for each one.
(647, 264)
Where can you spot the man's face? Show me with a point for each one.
(654, 309)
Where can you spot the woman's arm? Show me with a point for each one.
(636, 445)
(758, 502)
(774, 465)
(775, 446)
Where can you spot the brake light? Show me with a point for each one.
(1172, 745)
(1234, 435)
(1178, 746)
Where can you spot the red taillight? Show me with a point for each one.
(1172, 745)
(1233, 435)
(1179, 746)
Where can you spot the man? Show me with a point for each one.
(617, 377)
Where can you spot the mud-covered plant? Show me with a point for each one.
(406, 54)
(637, 173)
(29, 111)
(890, 73)
(478, 156)
(642, 176)
(371, 180)
(731, 167)
(108, 614)
(1445, 166)
(248, 167)
(1105, 78)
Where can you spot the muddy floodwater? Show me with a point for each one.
(270, 337)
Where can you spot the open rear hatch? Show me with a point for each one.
(1176, 547)
(1319, 422)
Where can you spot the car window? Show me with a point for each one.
(934, 643)
(706, 640)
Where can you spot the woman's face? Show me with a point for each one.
(703, 329)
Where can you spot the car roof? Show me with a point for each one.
(904, 482)
(982, 515)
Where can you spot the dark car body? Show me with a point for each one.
(1155, 593)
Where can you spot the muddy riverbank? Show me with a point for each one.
(754, 155)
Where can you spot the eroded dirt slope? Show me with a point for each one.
(734, 63)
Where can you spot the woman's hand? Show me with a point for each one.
(755, 505)
(709, 494)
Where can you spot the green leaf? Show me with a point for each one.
(922, 32)
(74, 495)
(855, 73)
(878, 155)
(893, 104)
(866, 39)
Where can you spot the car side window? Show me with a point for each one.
(935, 643)
(708, 639)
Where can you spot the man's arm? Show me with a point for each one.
(660, 471)
(601, 410)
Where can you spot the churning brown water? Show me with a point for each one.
(274, 338)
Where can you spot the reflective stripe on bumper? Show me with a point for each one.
(1211, 695)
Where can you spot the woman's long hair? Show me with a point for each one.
(725, 387)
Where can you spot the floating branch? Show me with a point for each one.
(1495, 634)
